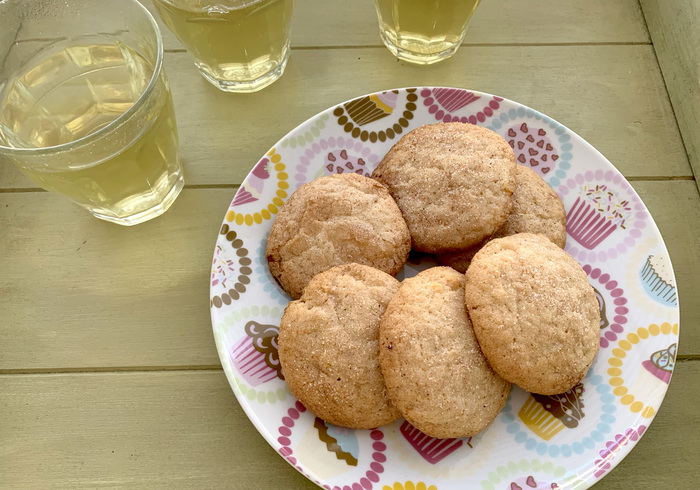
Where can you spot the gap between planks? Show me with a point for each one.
(169, 369)
(663, 78)
(462, 46)
(639, 178)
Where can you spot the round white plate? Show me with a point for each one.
(610, 232)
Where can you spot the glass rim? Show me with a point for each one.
(89, 138)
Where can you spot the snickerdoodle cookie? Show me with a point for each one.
(534, 313)
(453, 182)
(333, 220)
(329, 346)
(536, 209)
(433, 367)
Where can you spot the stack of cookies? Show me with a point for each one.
(441, 349)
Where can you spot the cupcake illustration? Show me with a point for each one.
(431, 449)
(657, 369)
(221, 268)
(547, 415)
(529, 483)
(657, 279)
(452, 99)
(604, 323)
(532, 148)
(255, 355)
(339, 161)
(252, 188)
(372, 107)
(327, 450)
(596, 213)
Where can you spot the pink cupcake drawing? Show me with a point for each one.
(373, 107)
(596, 213)
(251, 190)
(431, 449)
(654, 375)
(532, 148)
(452, 99)
(255, 355)
(447, 104)
(339, 161)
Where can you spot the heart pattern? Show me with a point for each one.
(532, 147)
(340, 162)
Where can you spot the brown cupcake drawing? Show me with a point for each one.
(370, 108)
(255, 355)
(547, 415)
(601, 304)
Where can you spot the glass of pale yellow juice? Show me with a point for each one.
(424, 31)
(85, 108)
(237, 45)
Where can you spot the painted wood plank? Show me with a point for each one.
(343, 23)
(84, 294)
(674, 26)
(185, 429)
(613, 96)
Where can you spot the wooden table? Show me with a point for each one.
(109, 375)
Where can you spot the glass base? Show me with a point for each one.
(246, 86)
(148, 214)
(415, 56)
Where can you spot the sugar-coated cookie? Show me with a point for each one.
(433, 367)
(329, 346)
(453, 183)
(536, 209)
(334, 220)
(535, 315)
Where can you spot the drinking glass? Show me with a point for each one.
(237, 45)
(424, 31)
(85, 108)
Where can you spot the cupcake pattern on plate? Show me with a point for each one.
(547, 415)
(533, 148)
(525, 475)
(262, 192)
(459, 105)
(614, 305)
(255, 356)
(538, 141)
(653, 294)
(343, 458)
(378, 117)
(640, 386)
(532, 423)
(658, 280)
(604, 219)
(230, 270)
(335, 155)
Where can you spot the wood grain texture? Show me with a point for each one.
(330, 23)
(613, 96)
(84, 294)
(674, 26)
(186, 430)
